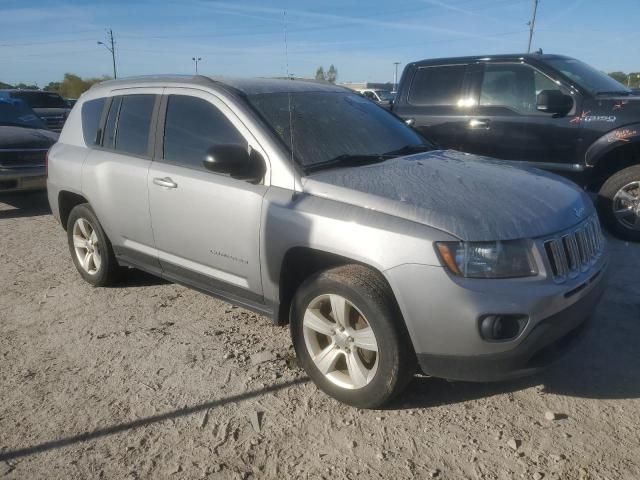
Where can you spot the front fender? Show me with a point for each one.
(610, 141)
(362, 234)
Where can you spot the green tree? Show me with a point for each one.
(52, 87)
(619, 76)
(332, 74)
(634, 80)
(26, 86)
(5, 85)
(320, 74)
(72, 86)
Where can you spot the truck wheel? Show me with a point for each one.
(619, 203)
(350, 337)
(90, 248)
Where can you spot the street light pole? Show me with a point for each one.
(395, 77)
(112, 49)
(196, 60)
(532, 23)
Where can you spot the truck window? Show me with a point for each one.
(513, 86)
(193, 126)
(437, 86)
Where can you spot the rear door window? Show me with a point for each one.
(193, 126)
(128, 124)
(91, 114)
(437, 86)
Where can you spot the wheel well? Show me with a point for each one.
(300, 263)
(66, 202)
(617, 159)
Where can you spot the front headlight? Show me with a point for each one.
(508, 259)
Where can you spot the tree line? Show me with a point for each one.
(631, 80)
(71, 86)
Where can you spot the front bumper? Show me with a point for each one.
(442, 317)
(21, 179)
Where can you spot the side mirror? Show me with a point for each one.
(554, 102)
(236, 161)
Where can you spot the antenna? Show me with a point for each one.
(286, 59)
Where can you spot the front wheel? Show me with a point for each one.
(619, 203)
(350, 337)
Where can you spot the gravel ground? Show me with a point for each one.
(152, 380)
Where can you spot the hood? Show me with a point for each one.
(470, 197)
(21, 137)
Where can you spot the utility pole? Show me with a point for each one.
(112, 49)
(196, 60)
(395, 77)
(532, 23)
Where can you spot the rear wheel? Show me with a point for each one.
(90, 248)
(619, 203)
(350, 338)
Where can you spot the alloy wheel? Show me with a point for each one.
(86, 246)
(340, 341)
(626, 205)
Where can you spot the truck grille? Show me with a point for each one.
(54, 123)
(22, 158)
(575, 252)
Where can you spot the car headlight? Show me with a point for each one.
(507, 259)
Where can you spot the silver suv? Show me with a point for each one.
(311, 205)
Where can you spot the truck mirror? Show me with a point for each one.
(554, 102)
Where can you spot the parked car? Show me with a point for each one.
(24, 141)
(49, 106)
(635, 91)
(550, 111)
(381, 97)
(71, 102)
(310, 204)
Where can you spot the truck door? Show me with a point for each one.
(506, 124)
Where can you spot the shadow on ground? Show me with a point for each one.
(27, 204)
(132, 425)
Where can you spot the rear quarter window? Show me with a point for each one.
(437, 86)
(91, 114)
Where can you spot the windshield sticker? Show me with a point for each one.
(586, 118)
(622, 135)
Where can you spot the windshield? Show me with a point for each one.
(41, 99)
(16, 113)
(331, 125)
(586, 76)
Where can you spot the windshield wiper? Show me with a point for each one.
(614, 92)
(348, 160)
(409, 149)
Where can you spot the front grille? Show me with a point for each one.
(27, 158)
(575, 252)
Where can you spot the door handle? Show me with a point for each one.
(480, 123)
(165, 182)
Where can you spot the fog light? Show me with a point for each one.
(502, 327)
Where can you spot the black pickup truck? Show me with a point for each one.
(549, 111)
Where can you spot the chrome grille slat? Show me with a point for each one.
(576, 251)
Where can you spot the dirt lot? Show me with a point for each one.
(151, 380)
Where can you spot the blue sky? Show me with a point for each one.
(40, 40)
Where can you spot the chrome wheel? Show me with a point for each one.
(340, 341)
(86, 246)
(626, 205)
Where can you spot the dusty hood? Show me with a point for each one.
(470, 197)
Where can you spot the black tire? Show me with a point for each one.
(606, 203)
(371, 295)
(109, 271)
